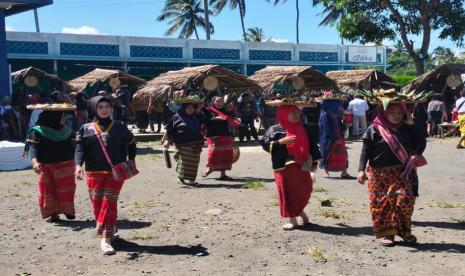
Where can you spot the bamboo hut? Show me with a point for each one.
(287, 80)
(200, 80)
(349, 81)
(33, 80)
(445, 78)
(106, 80)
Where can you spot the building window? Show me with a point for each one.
(27, 47)
(270, 55)
(211, 53)
(319, 56)
(155, 52)
(95, 50)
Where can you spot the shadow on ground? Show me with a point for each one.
(79, 225)
(148, 150)
(343, 230)
(127, 246)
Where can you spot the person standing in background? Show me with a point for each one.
(460, 105)
(155, 113)
(436, 114)
(248, 114)
(358, 107)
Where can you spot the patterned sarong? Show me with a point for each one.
(462, 127)
(57, 186)
(187, 158)
(338, 157)
(220, 153)
(104, 191)
(294, 189)
(391, 201)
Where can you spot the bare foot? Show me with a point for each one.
(305, 218)
(388, 241)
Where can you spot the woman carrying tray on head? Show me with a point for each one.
(50, 145)
(184, 130)
(333, 146)
(220, 139)
(294, 154)
(94, 141)
(392, 149)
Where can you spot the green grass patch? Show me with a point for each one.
(15, 195)
(254, 185)
(142, 236)
(329, 202)
(319, 254)
(320, 190)
(446, 205)
(27, 182)
(272, 202)
(332, 214)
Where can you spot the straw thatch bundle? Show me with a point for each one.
(191, 79)
(104, 75)
(349, 81)
(19, 77)
(314, 81)
(438, 80)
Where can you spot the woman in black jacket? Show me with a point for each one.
(103, 187)
(184, 130)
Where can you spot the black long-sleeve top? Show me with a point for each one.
(178, 132)
(47, 151)
(377, 151)
(120, 144)
(279, 155)
(215, 127)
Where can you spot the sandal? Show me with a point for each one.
(225, 177)
(106, 247)
(388, 241)
(206, 173)
(180, 181)
(305, 219)
(291, 225)
(410, 239)
(53, 219)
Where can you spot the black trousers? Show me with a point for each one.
(155, 118)
(247, 128)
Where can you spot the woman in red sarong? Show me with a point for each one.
(294, 154)
(103, 188)
(220, 139)
(333, 147)
(50, 145)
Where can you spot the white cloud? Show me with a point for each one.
(10, 28)
(278, 40)
(81, 30)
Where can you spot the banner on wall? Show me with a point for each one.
(362, 54)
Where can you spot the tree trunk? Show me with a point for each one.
(207, 18)
(196, 34)
(298, 19)
(244, 33)
(420, 66)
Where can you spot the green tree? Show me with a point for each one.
(219, 5)
(207, 18)
(331, 13)
(185, 16)
(376, 20)
(255, 34)
(297, 8)
(442, 55)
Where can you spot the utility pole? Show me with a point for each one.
(36, 18)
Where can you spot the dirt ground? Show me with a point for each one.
(222, 228)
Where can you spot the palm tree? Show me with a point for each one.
(275, 2)
(207, 18)
(219, 5)
(255, 34)
(332, 14)
(185, 16)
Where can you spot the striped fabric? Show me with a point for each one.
(57, 186)
(338, 159)
(187, 157)
(104, 191)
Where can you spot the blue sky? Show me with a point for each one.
(137, 18)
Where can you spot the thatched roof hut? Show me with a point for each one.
(197, 79)
(105, 79)
(349, 81)
(35, 80)
(288, 79)
(444, 77)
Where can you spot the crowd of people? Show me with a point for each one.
(94, 134)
